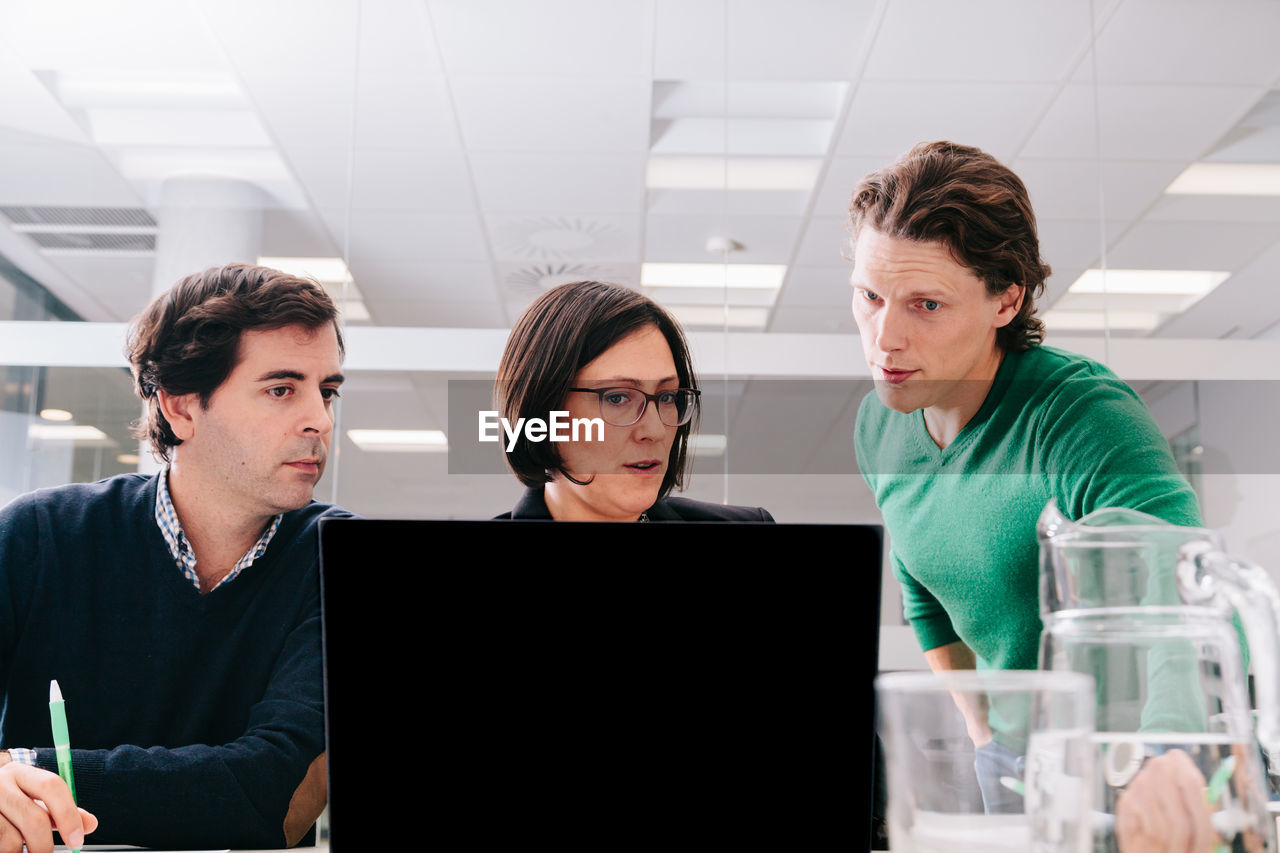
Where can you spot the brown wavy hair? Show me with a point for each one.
(561, 332)
(965, 199)
(187, 341)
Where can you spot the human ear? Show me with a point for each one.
(177, 410)
(1010, 304)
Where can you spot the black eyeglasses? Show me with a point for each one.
(625, 406)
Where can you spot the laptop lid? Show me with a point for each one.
(589, 684)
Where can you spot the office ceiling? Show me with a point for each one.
(463, 154)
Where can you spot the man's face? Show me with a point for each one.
(927, 323)
(261, 442)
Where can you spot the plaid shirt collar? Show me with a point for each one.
(180, 548)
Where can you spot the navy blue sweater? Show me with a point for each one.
(193, 717)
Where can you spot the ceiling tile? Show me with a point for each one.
(548, 37)
(567, 239)
(501, 112)
(1190, 245)
(1140, 122)
(295, 234)
(1156, 41)
(40, 171)
(396, 235)
(796, 40)
(396, 39)
(303, 109)
(1241, 307)
(1069, 189)
(825, 242)
(1215, 208)
(26, 104)
(123, 284)
(818, 287)
(688, 42)
(886, 119)
(148, 35)
(789, 318)
(683, 239)
(843, 174)
(983, 40)
(423, 312)
(400, 112)
(435, 281)
(285, 36)
(556, 184)
(392, 179)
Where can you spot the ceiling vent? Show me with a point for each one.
(562, 238)
(94, 242)
(84, 218)
(100, 230)
(536, 278)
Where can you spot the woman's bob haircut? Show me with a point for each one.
(561, 332)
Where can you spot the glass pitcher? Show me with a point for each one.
(1147, 609)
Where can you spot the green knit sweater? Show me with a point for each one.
(962, 519)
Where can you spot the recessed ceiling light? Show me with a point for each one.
(1079, 321)
(737, 317)
(1179, 282)
(399, 440)
(56, 414)
(79, 434)
(1227, 179)
(127, 458)
(708, 444)
(325, 270)
(743, 173)
(764, 276)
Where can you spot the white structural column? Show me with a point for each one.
(202, 222)
(205, 222)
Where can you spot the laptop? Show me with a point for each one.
(590, 685)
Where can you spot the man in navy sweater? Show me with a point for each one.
(180, 613)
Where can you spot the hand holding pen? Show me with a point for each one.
(33, 802)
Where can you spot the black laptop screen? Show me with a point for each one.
(590, 684)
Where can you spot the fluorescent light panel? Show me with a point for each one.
(762, 276)
(743, 173)
(331, 270)
(715, 316)
(1079, 321)
(1227, 179)
(708, 444)
(399, 440)
(1179, 282)
(78, 433)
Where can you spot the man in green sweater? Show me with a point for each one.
(974, 425)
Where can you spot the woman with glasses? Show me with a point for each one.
(602, 351)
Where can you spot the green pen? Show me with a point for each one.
(61, 738)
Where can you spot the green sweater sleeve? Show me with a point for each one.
(928, 619)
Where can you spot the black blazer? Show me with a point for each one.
(532, 504)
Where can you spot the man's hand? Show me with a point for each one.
(1163, 808)
(32, 803)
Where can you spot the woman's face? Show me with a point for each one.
(627, 468)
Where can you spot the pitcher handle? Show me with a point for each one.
(1208, 576)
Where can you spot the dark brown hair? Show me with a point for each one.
(187, 341)
(561, 332)
(965, 199)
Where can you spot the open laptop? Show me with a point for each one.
(597, 685)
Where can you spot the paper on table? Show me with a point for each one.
(123, 848)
